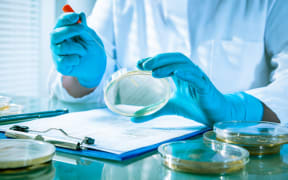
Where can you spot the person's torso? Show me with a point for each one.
(224, 38)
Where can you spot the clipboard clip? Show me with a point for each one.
(66, 141)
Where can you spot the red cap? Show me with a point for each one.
(67, 8)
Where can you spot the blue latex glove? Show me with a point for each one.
(196, 97)
(75, 50)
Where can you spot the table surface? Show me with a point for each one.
(147, 167)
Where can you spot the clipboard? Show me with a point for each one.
(84, 145)
(66, 141)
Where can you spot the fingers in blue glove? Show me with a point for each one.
(65, 70)
(89, 83)
(67, 28)
(71, 60)
(83, 18)
(68, 47)
(170, 69)
(168, 109)
(60, 34)
(65, 64)
(140, 63)
(168, 64)
(164, 65)
(185, 72)
(89, 34)
(67, 19)
(198, 81)
(176, 106)
(143, 119)
(163, 60)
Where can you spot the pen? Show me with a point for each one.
(42, 114)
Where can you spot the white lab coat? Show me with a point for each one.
(240, 45)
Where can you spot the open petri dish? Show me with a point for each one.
(20, 153)
(4, 102)
(205, 158)
(45, 171)
(258, 138)
(11, 109)
(209, 136)
(136, 93)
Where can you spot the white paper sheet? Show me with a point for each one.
(114, 133)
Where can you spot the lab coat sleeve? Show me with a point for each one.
(275, 94)
(101, 20)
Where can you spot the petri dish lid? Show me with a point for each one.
(136, 93)
(19, 153)
(252, 133)
(206, 158)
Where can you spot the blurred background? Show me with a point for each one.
(25, 57)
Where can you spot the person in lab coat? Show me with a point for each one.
(228, 59)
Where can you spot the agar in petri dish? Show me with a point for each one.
(205, 158)
(11, 109)
(4, 102)
(259, 138)
(45, 171)
(209, 136)
(136, 93)
(19, 153)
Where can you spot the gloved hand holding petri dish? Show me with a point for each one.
(136, 93)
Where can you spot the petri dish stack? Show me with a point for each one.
(226, 149)
(23, 153)
(259, 138)
(205, 158)
(136, 93)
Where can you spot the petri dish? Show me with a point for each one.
(20, 153)
(259, 138)
(136, 93)
(4, 102)
(204, 158)
(45, 171)
(209, 136)
(11, 109)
